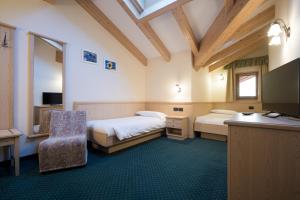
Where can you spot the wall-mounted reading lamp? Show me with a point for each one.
(275, 32)
(178, 88)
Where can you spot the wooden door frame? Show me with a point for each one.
(11, 74)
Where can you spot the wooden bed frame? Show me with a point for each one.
(108, 110)
(120, 145)
(207, 133)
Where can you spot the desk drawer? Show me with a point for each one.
(6, 142)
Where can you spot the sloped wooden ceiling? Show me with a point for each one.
(229, 20)
(51, 1)
(235, 32)
(101, 18)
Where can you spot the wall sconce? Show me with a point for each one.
(178, 88)
(221, 77)
(275, 31)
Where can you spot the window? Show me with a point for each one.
(246, 85)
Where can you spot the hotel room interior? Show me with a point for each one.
(150, 99)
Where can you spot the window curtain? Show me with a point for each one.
(262, 61)
(229, 86)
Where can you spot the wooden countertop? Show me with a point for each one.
(9, 133)
(259, 121)
(177, 117)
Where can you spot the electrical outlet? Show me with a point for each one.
(175, 109)
(180, 109)
(251, 107)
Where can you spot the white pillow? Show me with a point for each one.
(155, 114)
(226, 112)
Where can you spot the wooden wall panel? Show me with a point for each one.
(6, 78)
(239, 106)
(106, 110)
(192, 110)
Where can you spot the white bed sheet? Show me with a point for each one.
(126, 127)
(214, 118)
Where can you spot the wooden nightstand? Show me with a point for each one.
(177, 127)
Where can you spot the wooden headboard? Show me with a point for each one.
(107, 110)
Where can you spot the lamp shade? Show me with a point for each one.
(275, 30)
(275, 40)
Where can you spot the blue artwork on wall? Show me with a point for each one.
(90, 57)
(110, 65)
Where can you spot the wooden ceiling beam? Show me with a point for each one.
(228, 4)
(259, 20)
(155, 40)
(51, 1)
(106, 23)
(262, 33)
(163, 10)
(149, 33)
(223, 28)
(255, 45)
(186, 29)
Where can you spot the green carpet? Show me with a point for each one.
(159, 169)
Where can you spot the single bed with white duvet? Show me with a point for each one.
(214, 122)
(109, 132)
(126, 127)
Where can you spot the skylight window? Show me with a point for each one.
(143, 8)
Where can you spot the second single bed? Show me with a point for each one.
(213, 123)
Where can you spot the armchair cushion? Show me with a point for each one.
(67, 143)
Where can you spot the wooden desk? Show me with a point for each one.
(263, 158)
(9, 138)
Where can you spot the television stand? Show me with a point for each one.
(39, 110)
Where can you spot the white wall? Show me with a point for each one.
(289, 11)
(218, 85)
(68, 22)
(162, 77)
(47, 72)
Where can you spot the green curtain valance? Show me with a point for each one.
(257, 61)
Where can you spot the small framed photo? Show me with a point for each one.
(110, 65)
(89, 57)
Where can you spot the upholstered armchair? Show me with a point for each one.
(67, 143)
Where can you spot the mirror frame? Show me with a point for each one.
(31, 39)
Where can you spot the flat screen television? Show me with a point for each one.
(52, 98)
(281, 89)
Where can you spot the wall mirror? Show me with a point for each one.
(46, 60)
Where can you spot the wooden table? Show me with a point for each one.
(9, 138)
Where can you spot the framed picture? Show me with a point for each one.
(110, 65)
(89, 57)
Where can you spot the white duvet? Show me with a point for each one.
(126, 127)
(214, 118)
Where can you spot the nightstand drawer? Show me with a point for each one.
(170, 123)
(177, 127)
(177, 123)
